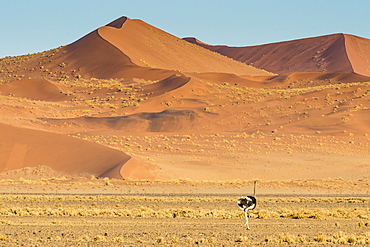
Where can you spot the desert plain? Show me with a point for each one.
(131, 136)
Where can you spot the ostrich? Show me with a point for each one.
(246, 203)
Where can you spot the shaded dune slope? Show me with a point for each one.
(21, 147)
(358, 50)
(92, 56)
(330, 53)
(166, 85)
(164, 121)
(147, 117)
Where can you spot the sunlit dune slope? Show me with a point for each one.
(330, 53)
(149, 46)
(92, 56)
(27, 148)
(36, 89)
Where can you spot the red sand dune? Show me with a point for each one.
(358, 51)
(93, 56)
(21, 147)
(184, 111)
(36, 89)
(166, 85)
(149, 46)
(330, 53)
(128, 48)
(285, 80)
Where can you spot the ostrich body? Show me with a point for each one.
(246, 203)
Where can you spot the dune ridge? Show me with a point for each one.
(328, 53)
(149, 46)
(95, 57)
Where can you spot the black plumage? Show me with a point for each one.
(246, 203)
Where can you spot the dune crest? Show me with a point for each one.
(95, 57)
(149, 46)
(118, 22)
(329, 53)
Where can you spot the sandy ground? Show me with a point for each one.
(105, 231)
(141, 217)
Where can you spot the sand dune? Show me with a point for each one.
(92, 56)
(149, 46)
(36, 89)
(358, 52)
(126, 49)
(330, 53)
(28, 148)
(182, 111)
(165, 85)
(293, 79)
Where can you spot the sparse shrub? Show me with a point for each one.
(99, 238)
(241, 239)
(189, 240)
(174, 239)
(262, 214)
(288, 238)
(118, 239)
(83, 238)
(160, 240)
(320, 238)
(352, 239)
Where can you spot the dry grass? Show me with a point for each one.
(192, 207)
(97, 185)
(180, 220)
(336, 238)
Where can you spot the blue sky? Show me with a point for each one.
(32, 26)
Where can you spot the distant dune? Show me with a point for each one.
(330, 53)
(125, 48)
(149, 46)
